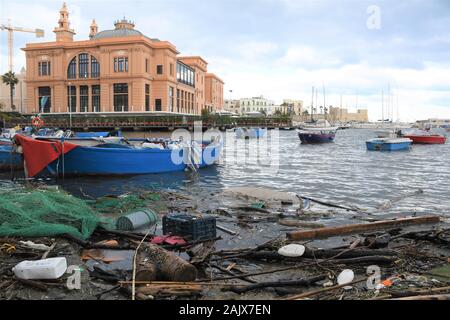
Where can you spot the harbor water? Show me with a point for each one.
(343, 172)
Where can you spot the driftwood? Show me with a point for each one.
(201, 252)
(316, 292)
(327, 204)
(32, 283)
(322, 254)
(281, 283)
(168, 289)
(357, 228)
(222, 228)
(226, 270)
(353, 257)
(145, 270)
(170, 266)
(357, 252)
(299, 224)
(429, 297)
(430, 235)
(409, 293)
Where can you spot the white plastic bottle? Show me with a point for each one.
(51, 268)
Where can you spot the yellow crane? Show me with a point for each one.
(38, 32)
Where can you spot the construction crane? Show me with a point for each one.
(38, 32)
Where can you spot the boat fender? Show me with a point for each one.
(149, 145)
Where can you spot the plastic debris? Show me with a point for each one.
(35, 246)
(292, 250)
(52, 268)
(346, 276)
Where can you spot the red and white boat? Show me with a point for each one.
(425, 137)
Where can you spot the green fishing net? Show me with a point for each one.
(123, 203)
(45, 212)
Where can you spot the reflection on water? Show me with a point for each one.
(342, 172)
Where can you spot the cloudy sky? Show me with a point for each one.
(282, 48)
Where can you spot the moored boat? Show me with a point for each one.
(57, 157)
(317, 135)
(425, 137)
(9, 159)
(388, 144)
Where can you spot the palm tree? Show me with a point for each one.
(10, 80)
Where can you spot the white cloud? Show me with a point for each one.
(307, 57)
(358, 82)
(256, 49)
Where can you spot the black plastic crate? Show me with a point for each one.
(189, 226)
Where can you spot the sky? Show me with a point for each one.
(282, 48)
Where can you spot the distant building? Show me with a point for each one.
(213, 92)
(433, 123)
(293, 107)
(342, 115)
(119, 70)
(232, 106)
(19, 93)
(256, 104)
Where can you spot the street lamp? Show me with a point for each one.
(70, 105)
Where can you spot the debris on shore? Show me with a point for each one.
(245, 243)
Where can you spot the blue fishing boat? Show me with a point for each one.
(5, 142)
(387, 144)
(250, 133)
(317, 135)
(102, 134)
(9, 160)
(57, 157)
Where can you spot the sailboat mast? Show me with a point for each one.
(312, 104)
(324, 102)
(382, 105)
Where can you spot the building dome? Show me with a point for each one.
(116, 33)
(123, 28)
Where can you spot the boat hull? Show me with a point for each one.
(427, 139)
(123, 161)
(381, 145)
(8, 159)
(307, 138)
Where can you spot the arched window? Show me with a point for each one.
(95, 68)
(86, 65)
(83, 65)
(72, 70)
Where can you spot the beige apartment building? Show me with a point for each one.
(289, 106)
(117, 70)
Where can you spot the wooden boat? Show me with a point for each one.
(58, 157)
(425, 137)
(9, 160)
(388, 144)
(317, 135)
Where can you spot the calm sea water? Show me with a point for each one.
(341, 172)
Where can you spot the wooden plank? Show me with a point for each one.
(356, 228)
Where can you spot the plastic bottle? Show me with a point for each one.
(51, 268)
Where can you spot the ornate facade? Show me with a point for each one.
(118, 70)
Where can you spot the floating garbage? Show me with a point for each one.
(292, 250)
(51, 268)
(137, 220)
